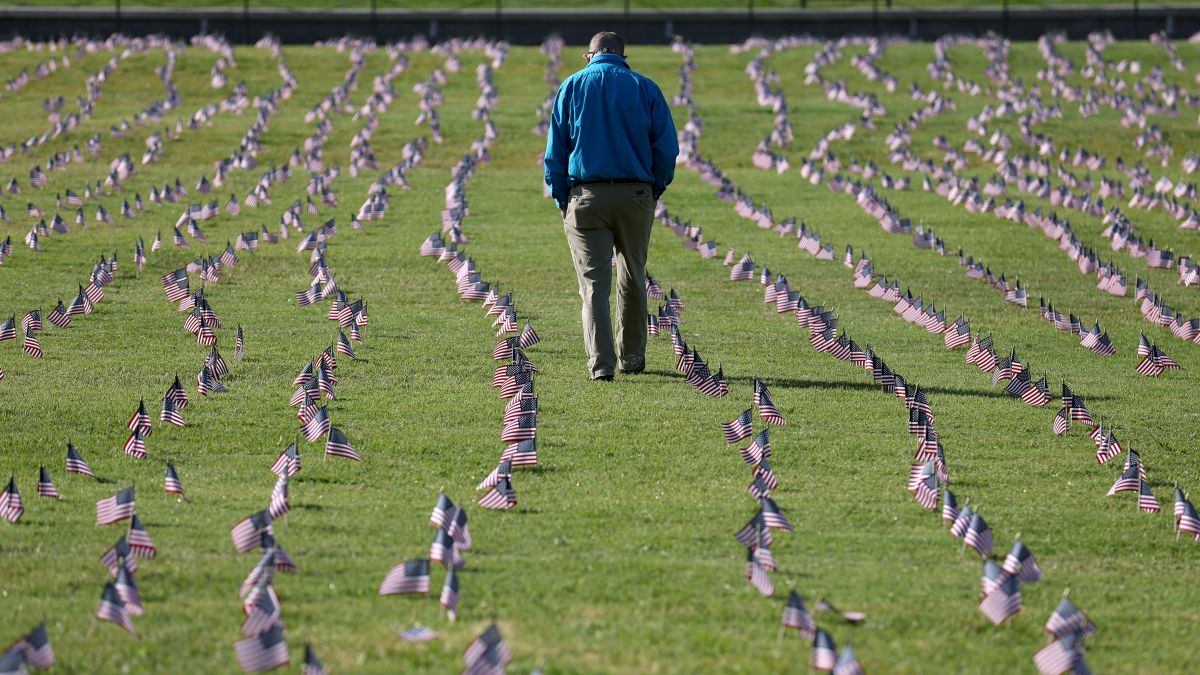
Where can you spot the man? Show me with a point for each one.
(610, 154)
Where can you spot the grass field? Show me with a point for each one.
(620, 555)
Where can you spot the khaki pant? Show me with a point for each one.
(600, 218)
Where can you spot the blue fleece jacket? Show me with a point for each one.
(609, 123)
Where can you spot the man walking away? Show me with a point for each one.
(610, 154)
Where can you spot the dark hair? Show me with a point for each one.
(607, 42)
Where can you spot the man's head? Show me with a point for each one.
(607, 43)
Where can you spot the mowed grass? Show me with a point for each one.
(620, 555)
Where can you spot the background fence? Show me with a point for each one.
(641, 21)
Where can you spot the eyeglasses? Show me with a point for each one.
(588, 56)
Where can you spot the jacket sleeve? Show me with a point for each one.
(664, 143)
(558, 149)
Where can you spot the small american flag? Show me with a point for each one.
(45, 487)
(11, 506)
(449, 597)
(128, 591)
(1067, 619)
(410, 576)
(1020, 563)
(112, 609)
(978, 536)
(757, 575)
(1003, 602)
(262, 652)
(312, 666)
(847, 663)
(288, 462)
(766, 408)
(738, 429)
(487, 653)
(38, 652)
(139, 540)
(1061, 656)
(796, 616)
(443, 511)
(824, 653)
(502, 496)
(247, 533)
(116, 508)
(338, 445)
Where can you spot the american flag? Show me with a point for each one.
(112, 609)
(444, 550)
(318, 426)
(487, 653)
(170, 411)
(978, 536)
(796, 616)
(261, 607)
(1061, 656)
(1061, 422)
(45, 487)
(8, 328)
(127, 590)
(171, 483)
(76, 463)
(11, 506)
(766, 408)
(757, 575)
(758, 449)
(418, 634)
(460, 530)
(116, 508)
(140, 420)
(449, 597)
(344, 346)
(288, 462)
(312, 666)
(738, 429)
(139, 540)
(1146, 500)
(118, 553)
(949, 506)
(338, 445)
(31, 345)
(443, 511)
(410, 576)
(239, 344)
(847, 663)
(1020, 563)
(1067, 619)
(262, 652)
(38, 652)
(824, 653)
(135, 445)
(1002, 602)
(279, 503)
(1128, 481)
(501, 496)
(773, 517)
(247, 533)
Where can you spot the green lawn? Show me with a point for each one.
(620, 555)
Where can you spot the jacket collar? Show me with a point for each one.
(615, 59)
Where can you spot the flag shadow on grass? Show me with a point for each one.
(788, 383)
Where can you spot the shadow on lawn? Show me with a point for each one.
(788, 383)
